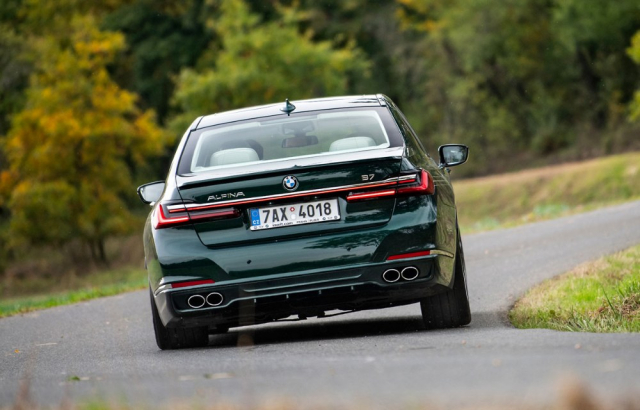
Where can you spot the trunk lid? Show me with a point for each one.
(238, 190)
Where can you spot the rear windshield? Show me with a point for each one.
(274, 139)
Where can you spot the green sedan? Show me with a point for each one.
(307, 209)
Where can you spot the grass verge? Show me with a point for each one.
(29, 294)
(600, 296)
(544, 193)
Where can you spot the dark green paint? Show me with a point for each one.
(349, 254)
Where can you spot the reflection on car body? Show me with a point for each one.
(315, 206)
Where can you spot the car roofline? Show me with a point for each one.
(270, 110)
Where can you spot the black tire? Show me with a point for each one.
(177, 338)
(451, 308)
(219, 330)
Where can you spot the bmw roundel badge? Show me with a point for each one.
(290, 183)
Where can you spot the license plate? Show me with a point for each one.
(296, 214)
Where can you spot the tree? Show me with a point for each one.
(262, 62)
(71, 151)
(14, 66)
(163, 37)
(396, 64)
(523, 78)
(634, 53)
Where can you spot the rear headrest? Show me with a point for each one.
(352, 143)
(244, 144)
(233, 156)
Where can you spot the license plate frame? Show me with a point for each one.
(301, 213)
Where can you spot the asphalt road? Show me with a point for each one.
(375, 359)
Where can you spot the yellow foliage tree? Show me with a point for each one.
(71, 151)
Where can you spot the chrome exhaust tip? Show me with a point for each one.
(196, 301)
(391, 275)
(214, 299)
(410, 273)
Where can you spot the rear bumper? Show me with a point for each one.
(247, 302)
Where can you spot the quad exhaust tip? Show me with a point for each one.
(409, 273)
(196, 301)
(391, 275)
(214, 299)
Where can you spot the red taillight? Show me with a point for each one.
(215, 214)
(426, 186)
(370, 195)
(408, 179)
(161, 221)
(192, 283)
(180, 216)
(409, 255)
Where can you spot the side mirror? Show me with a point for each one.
(151, 192)
(453, 154)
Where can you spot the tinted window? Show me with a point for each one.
(274, 139)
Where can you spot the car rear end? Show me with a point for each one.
(296, 214)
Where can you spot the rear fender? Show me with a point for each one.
(183, 256)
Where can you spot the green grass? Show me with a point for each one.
(29, 294)
(545, 193)
(600, 296)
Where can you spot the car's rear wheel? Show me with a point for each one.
(451, 308)
(177, 338)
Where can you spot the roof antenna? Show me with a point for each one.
(288, 107)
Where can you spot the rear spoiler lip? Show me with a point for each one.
(292, 166)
